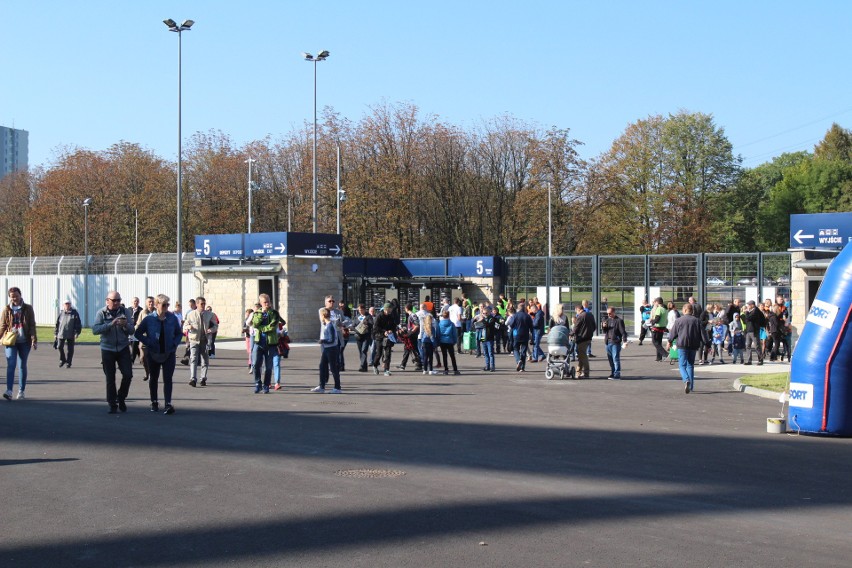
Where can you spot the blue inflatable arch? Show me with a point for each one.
(821, 368)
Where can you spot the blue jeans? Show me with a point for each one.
(488, 349)
(329, 361)
(521, 353)
(613, 354)
(262, 358)
(686, 362)
(20, 350)
(537, 353)
(276, 367)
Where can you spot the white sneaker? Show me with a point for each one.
(387, 373)
(20, 395)
(335, 391)
(318, 389)
(433, 372)
(7, 395)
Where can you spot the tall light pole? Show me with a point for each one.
(173, 27)
(341, 194)
(250, 161)
(86, 203)
(321, 56)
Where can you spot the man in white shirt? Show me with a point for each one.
(455, 311)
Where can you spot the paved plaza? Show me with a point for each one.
(477, 470)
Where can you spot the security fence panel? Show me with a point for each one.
(574, 276)
(44, 297)
(777, 270)
(130, 286)
(524, 275)
(676, 275)
(165, 284)
(619, 278)
(728, 276)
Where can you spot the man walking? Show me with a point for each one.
(615, 334)
(686, 334)
(115, 326)
(754, 320)
(68, 328)
(161, 334)
(265, 323)
(137, 319)
(584, 331)
(199, 325)
(520, 328)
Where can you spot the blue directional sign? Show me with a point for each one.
(219, 246)
(266, 245)
(314, 244)
(471, 266)
(820, 230)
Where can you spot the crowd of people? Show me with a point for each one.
(429, 335)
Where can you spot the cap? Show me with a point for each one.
(387, 306)
(67, 300)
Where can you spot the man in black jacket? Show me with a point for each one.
(754, 320)
(584, 330)
(615, 334)
(686, 333)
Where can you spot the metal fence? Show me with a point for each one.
(623, 282)
(47, 281)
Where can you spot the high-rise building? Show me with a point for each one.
(14, 147)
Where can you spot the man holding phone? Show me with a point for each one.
(115, 326)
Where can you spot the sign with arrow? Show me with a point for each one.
(314, 244)
(265, 245)
(268, 245)
(820, 230)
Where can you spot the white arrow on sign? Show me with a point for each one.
(799, 236)
(281, 248)
(335, 249)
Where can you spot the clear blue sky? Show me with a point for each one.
(773, 73)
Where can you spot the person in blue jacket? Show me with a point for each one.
(520, 329)
(447, 337)
(161, 334)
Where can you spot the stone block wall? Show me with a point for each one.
(304, 284)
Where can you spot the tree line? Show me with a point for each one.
(417, 186)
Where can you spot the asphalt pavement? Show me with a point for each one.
(476, 470)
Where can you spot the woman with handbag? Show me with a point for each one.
(18, 332)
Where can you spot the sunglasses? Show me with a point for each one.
(113, 299)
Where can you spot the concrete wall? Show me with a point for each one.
(301, 286)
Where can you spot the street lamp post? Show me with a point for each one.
(321, 56)
(250, 161)
(341, 194)
(86, 203)
(179, 29)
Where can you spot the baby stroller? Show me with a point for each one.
(558, 357)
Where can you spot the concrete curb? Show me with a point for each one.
(763, 393)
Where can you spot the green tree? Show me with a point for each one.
(836, 145)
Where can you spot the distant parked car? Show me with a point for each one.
(747, 282)
(716, 281)
(769, 281)
(783, 280)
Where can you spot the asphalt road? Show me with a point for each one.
(477, 470)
